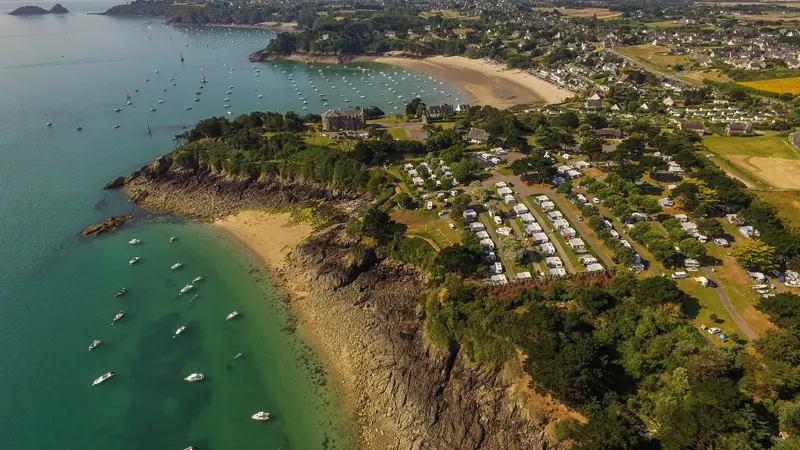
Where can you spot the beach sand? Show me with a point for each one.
(486, 83)
(270, 236)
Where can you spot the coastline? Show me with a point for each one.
(486, 83)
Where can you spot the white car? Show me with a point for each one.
(714, 330)
(430, 206)
(595, 200)
(498, 220)
(443, 212)
(452, 226)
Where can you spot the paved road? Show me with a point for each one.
(549, 231)
(726, 302)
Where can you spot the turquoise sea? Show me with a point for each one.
(57, 289)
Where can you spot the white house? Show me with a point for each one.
(522, 276)
(721, 242)
(577, 245)
(574, 174)
(500, 184)
(413, 173)
(499, 279)
(553, 262)
(596, 267)
(665, 202)
(733, 219)
(681, 217)
(496, 267)
(532, 229)
(541, 199)
(504, 231)
(487, 244)
(691, 264)
(476, 226)
(568, 232)
(580, 198)
(560, 224)
(540, 238)
(481, 235)
(547, 249)
(470, 215)
(418, 182)
(520, 209)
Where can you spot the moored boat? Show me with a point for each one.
(232, 315)
(172, 238)
(261, 415)
(103, 378)
(117, 317)
(176, 266)
(133, 261)
(196, 279)
(120, 292)
(134, 241)
(94, 344)
(180, 330)
(197, 376)
(186, 288)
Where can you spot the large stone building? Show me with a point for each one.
(343, 119)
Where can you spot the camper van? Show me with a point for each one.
(679, 275)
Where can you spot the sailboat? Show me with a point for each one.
(181, 56)
(148, 127)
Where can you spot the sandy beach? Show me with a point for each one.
(486, 83)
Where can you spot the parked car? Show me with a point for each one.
(498, 220)
(579, 217)
(452, 226)
(443, 212)
(595, 200)
(714, 330)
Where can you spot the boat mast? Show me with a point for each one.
(148, 127)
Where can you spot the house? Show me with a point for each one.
(676, 170)
(477, 136)
(560, 224)
(510, 200)
(739, 129)
(553, 262)
(580, 199)
(527, 218)
(594, 102)
(343, 119)
(503, 191)
(639, 217)
(587, 259)
(748, 231)
(498, 279)
(596, 267)
(689, 227)
(554, 215)
(558, 272)
(500, 151)
(665, 202)
(609, 133)
(568, 232)
(540, 238)
(520, 209)
(470, 215)
(577, 245)
(541, 199)
(574, 174)
(547, 249)
(758, 277)
(721, 242)
(504, 231)
(437, 111)
(702, 281)
(500, 184)
(548, 206)
(533, 228)
(413, 173)
(581, 165)
(476, 226)
(679, 275)
(694, 127)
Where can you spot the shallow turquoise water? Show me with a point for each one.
(56, 289)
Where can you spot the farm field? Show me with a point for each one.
(399, 133)
(663, 24)
(779, 85)
(652, 55)
(601, 13)
(786, 202)
(770, 158)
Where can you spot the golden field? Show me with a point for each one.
(779, 85)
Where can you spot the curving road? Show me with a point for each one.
(726, 302)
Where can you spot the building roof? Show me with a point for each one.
(692, 126)
(477, 134)
(341, 113)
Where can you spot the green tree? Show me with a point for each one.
(692, 248)
(464, 170)
(411, 107)
(710, 227)
(755, 254)
(478, 193)
(377, 224)
(513, 247)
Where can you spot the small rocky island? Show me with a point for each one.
(38, 11)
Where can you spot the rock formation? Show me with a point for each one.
(107, 225)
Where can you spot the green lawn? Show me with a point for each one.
(427, 224)
(399, 133)
(654, 56)
(786, 202)
(662, 24)
(708, 303)
(771, 145)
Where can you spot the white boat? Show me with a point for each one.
(180, 330)
(176, 266)
(186, 288)
(78, 128)
(49, 124)
(232, 315)
(191, 447)
(120, 292)
(95, 343)
(196, 279)
(172, 238)
(134, 241)
(115, 127)
(238, 355)
(197, 376)
(261, 415)
(152, 109)
(133, 261)
(188, 108)
(103, 378)
(119, 315)
(129, 103)
(117, 109)
(161, 101)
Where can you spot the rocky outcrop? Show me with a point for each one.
(115, 183)
(307, 58)
(107, 225)
(38, 10)
(409, 395)
(203, 193)
(58, 9)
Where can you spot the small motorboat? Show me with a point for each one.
(238, 355)
(133, 261)
(196, 99)
(117, 109)
(191, 447)
(261, 415)
(120, 292)
(196, 279)
(160, 102)
(95, 343)
(173, 239)
(232, 315)
(176, 266)
(152, 109)
(115, 127)
(103, 378)
(186, 288)
(78, 128)
(188, 108)
(129, 103)
(180, 330)
(197, 376)
(134, 241)
(119, 316)
(49, 124)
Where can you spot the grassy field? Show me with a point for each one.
(779, 85)
(653, 56)
(600, 13)
(708, 303)
(770, 158)
(662, 24)
(460, 31)
(399, 133)
(786, 202)
(427, 225)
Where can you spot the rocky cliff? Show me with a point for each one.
(38, 11)
(368, 321)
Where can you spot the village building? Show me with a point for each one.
(343, 119)
(739, 129)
